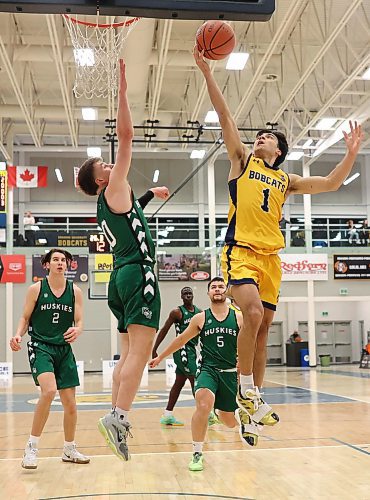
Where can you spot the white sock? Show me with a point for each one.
(197, 446)
(122, 414)
(34, 440)
(168, 413)
(246, 382)
(69, 444)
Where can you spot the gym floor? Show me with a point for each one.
(320, 449)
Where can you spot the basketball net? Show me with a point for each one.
(96, 49)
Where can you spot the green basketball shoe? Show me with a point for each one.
(196, 463)
(213, 419)
(171, 421)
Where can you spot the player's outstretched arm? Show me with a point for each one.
(125, 134)
(160, 192)
(191, 331)
(333, 181)
(29, 305)
(75, 331)
(236, 150)
(174, 317)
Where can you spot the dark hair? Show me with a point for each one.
(216, 278)
(186, 288)
(86, 178)
(283, 144)
(47, 257)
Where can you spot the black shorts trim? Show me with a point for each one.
(272, 307)
(243, 281)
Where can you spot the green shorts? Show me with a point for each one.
(224, 386)
(186, 361)
(58, 359)
(133, 296)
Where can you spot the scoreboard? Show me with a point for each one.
(98, 243)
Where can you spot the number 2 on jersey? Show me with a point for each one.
(265, 204)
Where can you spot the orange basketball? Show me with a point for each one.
(216, 38)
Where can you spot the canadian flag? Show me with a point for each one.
(27, 177)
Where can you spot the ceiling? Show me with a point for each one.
(306, 63)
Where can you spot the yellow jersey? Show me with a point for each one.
(256, 199)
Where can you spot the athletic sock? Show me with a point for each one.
(69, 444)
(198, 446)
(246, 382)
(34, 440)
(122, 414)
(168, 413)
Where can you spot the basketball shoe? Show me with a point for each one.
(171, 421)
(29, 460)
(71, 454)
(255, 406)
(213, 419)
(248, 430)
(196, 463)
(115, 433)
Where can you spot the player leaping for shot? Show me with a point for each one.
(133, 294)
(258, 188)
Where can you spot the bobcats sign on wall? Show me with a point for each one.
(304, 267)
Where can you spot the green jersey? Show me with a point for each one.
(181, 325)
(218, 341)
(52, 316)
(127, 233)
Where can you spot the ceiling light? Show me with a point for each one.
(295, 155)
(326, 123)
(84, 57)
(156, 176)
(89, 113)
(307, 144)
(366, 75)
(350, 179)
(197, 154)
(237, 60)
(211, 117)
(58, 173)
(93, 152)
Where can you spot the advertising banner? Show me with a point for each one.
(304, 267)
(352, 267)
(77, 272)
(3, 190)
(181, 267)
(12, 268)
(69, 240)
(103, 262)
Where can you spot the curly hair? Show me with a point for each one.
(47, 257)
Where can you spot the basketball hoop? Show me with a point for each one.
(96, 49)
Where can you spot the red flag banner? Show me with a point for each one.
(27, 177)
(12, 268)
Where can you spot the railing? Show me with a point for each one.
(192, 234)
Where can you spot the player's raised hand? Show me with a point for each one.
(154, 362)
(354, 139)
(200, 61)
(122, 76)
(161, 192)
(71, 334)
(15, 343)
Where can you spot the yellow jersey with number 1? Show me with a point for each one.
(256, 199)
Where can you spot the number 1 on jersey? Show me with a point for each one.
(265, 204)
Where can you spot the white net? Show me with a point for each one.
(96, 50)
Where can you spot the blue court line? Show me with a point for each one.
(346, 374)
(351, 446)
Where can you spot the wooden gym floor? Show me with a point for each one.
(319, 450)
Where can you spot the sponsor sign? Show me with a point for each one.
(108, 367)
(6, 371)
(98, 243)
(3, 190)
(353, 267)
(77, 272)
(184, 267)
(103, 263)
(170, 372)
(12, 268)
(67, 240)
(304, 267)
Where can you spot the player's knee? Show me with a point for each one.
(49, 393)
(253, 315)
(205, 405)
(69, 406)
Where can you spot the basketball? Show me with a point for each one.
(216, 38)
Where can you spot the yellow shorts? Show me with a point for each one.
(244, 266)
